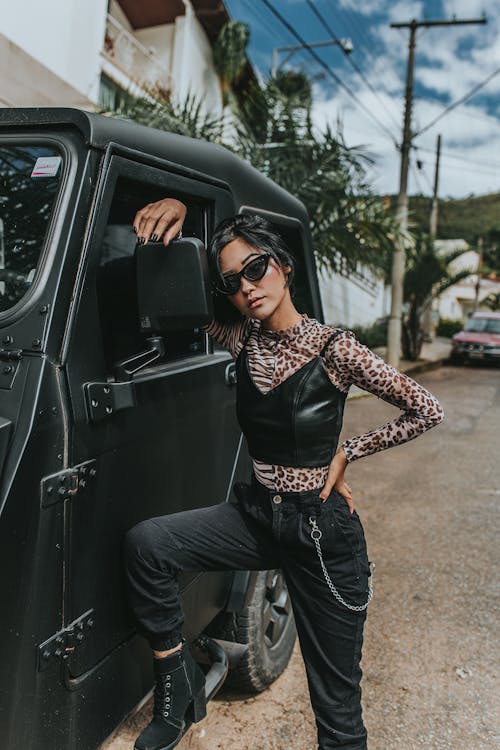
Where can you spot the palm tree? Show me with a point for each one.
(156, 109)
(427, 275)
(229, 55)
(492, 301)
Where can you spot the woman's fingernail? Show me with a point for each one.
(135, 229)
(154, 238)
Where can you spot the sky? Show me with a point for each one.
(450, 61)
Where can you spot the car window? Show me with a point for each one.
(116, 277)
(29, 182)
(483, 325)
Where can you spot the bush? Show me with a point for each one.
(448, 326)
(374, 335)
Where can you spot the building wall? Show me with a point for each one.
(31, 84)
(159, 39)
(193, 70)
(347, 302)
(65, 36)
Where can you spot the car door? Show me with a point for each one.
(170, 442)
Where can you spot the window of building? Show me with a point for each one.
(111, 95)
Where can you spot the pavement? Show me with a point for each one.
(434, 354)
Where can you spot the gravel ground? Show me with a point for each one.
(428, 509)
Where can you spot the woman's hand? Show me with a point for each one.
(164, 217)
(335, 478)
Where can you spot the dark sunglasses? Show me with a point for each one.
(253, 271)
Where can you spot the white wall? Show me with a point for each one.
(65, 36)
(161, 39)
(347, 302)
(31, 84)
(193, 69)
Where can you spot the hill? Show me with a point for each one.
(468, 219)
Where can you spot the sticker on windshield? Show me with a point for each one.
(46, 166)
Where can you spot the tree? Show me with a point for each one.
(349, 225)
(156, 109)
(427, 275)
(229, 55)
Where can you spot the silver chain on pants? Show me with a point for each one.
(316, 535)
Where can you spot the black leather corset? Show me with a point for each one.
(298, 422)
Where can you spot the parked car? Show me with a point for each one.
(116, 407)
(478, 340)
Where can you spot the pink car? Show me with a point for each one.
(479, 338)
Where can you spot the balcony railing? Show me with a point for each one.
(127, 54)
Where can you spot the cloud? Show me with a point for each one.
(405, 10)
(366, 7)
(469, 138)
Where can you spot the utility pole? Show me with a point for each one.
(480, 244)
(434, 208)
(398, 260)
(427, 322)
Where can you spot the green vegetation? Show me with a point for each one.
(449, 326)
(427, 276)
(468, 219)
(374, 335)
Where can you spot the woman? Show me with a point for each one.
(298, 512)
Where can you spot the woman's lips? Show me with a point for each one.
(254, 303)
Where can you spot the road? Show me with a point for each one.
(429, 512)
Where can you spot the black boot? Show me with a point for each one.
(179, 698)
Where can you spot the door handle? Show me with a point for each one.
(230, 377)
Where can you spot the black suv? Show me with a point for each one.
(105, 420)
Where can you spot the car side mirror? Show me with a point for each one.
(173, 293)
(173, 286)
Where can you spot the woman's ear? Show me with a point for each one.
(286, 271)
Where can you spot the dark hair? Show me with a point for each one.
(258, 233)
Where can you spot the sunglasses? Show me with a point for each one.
(253, 271)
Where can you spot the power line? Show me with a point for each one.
(363, 41)
(474, 115)
(471, 170)
(351, 62)
(463, 99)
(459, 157)
(330, 72)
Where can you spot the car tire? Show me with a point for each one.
(267, 627)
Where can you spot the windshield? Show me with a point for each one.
(483, 325)
(29, 181)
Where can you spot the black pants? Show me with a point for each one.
(267, 530)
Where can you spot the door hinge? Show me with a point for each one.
(64, 643)
(67, 483)
(103, 399)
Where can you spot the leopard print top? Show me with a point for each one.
(274, 355)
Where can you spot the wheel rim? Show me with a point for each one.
(277, 609)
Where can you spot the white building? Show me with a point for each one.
(73, 53)
(354, 299)
(459, 300)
